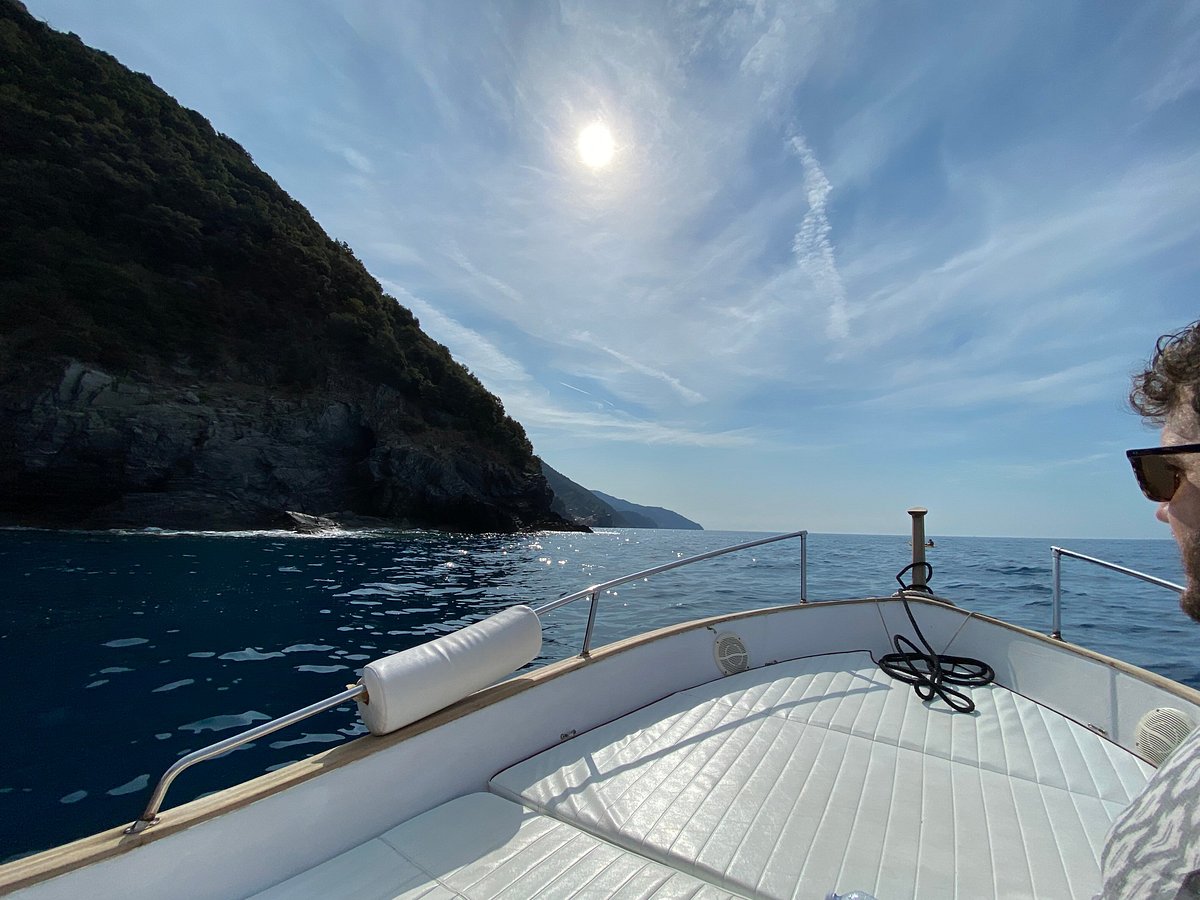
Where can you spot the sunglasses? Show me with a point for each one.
(1156, 476)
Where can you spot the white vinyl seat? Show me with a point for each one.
(823, 774)
(481, 846)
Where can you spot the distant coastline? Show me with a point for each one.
(596, 509)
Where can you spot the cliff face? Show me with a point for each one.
(576, 503)
(96, 451)
(652, 516)
(181, 344)
(596, 509)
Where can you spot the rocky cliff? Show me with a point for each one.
(182, 345)
(88, 449)
(652, 516)
(575, 503)
(595, 509)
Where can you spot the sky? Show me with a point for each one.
(846, 257)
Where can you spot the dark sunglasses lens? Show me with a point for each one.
(1157, 477)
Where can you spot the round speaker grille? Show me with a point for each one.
(1160, 731)
(731, 653)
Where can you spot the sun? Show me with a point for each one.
(596, 145)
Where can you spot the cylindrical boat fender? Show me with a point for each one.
(411, 684)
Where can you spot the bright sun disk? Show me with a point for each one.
(596, 145)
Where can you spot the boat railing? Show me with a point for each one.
(596, 590)
(150, 815)
(1059, 552)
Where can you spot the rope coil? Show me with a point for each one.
(930, 673)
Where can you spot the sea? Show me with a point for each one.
(121, 652)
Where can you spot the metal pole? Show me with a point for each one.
(804, 567)
(150, 815)
(587, 635)
(646, 573)
(1056, 606)
(918, 548)
(1113, 567)
(1059, 552)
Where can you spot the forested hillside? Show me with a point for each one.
(139, 245)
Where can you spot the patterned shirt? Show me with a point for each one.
(1153, 849)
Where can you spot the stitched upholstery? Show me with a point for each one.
(823, 773)
(480, 846)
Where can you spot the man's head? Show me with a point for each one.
(1168, 394)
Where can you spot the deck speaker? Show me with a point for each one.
(1160, 731)
(731, 654)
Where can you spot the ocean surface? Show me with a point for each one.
(120, 652)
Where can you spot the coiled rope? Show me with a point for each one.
(929, 673)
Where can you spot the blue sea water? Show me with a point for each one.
(120, 652)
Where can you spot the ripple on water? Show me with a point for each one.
(173, 685)
(130, 787)
(223, 723)
(324, 670)
(73, 797)
(309, 739)
(374, 590)
(307, 648)
(127, 642)
(249, 654)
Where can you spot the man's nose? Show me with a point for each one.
(1161, 513)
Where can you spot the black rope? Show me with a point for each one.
(930, 673)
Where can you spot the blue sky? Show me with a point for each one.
(847, 258)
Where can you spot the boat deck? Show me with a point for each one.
(789, 780)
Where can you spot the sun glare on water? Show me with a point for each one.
(596, 145)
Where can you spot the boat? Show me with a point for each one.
(807, 749)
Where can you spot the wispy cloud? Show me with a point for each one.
(812, 245)
(641, 368)
(482, 281)
(535, 407)
(940, 386)
(358, 161)
(574, 388)
(1177, 72)
(1030, 256)
(585, 425)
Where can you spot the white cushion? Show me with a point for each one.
(411, 684)
(824, 774)
(481, 846)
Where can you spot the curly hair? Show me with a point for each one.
(1172, 377)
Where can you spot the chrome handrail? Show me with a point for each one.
(1059, 552)
(596, 589)
(150, 815)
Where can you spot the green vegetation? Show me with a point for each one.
(137, 238)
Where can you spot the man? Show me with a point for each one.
(1153, 849)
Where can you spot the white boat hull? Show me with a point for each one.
(248, 838)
